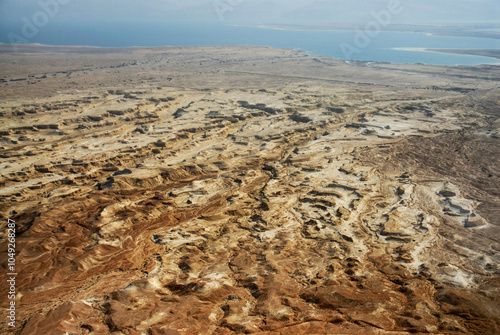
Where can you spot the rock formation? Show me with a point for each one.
(170, 198)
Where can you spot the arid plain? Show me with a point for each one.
(231, 190)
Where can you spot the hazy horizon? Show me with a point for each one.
(115, 23)
(12, 13)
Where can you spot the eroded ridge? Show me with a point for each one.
(294, 210)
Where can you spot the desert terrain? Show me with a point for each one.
(246, 190)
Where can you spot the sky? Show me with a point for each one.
(89, 12)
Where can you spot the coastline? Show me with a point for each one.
(490, 53)
(487, 53)
(38, 47)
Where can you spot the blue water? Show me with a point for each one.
(382, 47)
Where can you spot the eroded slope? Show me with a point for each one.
(307, 208)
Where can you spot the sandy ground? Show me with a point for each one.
(221, 190)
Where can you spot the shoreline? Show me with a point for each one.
(487, 53)
(30, 47)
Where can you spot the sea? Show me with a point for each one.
(374, 46)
